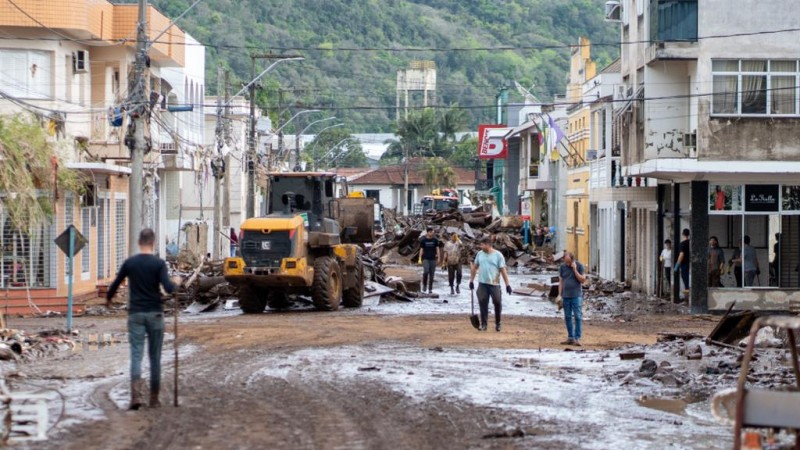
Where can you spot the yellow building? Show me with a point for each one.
(582, 68)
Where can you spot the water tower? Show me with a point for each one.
(419, 77)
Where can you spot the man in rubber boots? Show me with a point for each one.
(489, 265)
(429, 246)
(453, 250)
(145, 272)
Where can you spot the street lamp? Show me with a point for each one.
(251, 188)
(334, 148)
(297, 141)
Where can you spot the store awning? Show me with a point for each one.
(95, 167)
(731, 172)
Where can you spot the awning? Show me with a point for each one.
(730, 172)
(95, 167)
(519, 129)
(629, 103)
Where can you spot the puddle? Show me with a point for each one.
(670, 405)
(557, 391)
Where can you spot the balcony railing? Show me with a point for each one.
(601, 173)
(673, 20)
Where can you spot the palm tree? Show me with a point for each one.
(424, 133)
(438, 174)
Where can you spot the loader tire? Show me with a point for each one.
(251, 301)
(278, 301)
(353, 296)
(326, 292)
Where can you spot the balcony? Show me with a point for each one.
(600, 173)
(673, 30)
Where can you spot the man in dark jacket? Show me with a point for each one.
(145, 273)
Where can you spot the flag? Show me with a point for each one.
(559, 132)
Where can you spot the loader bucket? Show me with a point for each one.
(356, 218)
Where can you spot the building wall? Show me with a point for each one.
(577, 211)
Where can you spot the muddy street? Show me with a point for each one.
(382, 376)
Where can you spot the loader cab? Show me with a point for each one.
(311, 193)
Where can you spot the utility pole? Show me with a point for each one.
(218, 170)
(251, 151)
(251, 146)
(226, 131)
(135, 137)
(280, 129)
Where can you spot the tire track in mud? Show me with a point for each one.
(229, 401)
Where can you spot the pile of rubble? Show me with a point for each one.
(19, 345)
(207, 288)
(400, 243)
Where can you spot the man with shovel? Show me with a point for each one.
(489, 265)
(145, 272)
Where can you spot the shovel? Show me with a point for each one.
(473, 319)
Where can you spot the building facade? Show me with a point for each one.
(709, 135)
(68, 62)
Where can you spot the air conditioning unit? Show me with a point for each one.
(80, 61)
(613, 11)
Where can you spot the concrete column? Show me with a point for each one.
(699, 247)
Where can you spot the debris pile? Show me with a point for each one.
(399, 244)
(208, 288)
(19, 345)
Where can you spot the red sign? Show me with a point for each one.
(491, 144)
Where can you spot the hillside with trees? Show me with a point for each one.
(353, 49)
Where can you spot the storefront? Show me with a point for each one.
(758, 230)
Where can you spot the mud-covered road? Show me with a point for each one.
(374, 378)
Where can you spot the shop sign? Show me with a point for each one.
(762, 198)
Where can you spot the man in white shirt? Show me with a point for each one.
(666, 261)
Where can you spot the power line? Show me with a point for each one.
(405, 49)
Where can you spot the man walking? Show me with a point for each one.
(429, 246)
(145, 272)
(749, 262)
(716, 262)
(489, 265)
(453, 250)
(570, 288)
(682, 263)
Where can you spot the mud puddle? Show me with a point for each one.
(574, 397)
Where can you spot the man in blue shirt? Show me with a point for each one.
(570, 288)
(145, 273)
(489, 265)
(429, 246)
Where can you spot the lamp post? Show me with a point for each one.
(334, 148)
(251, 152)
(297, 141)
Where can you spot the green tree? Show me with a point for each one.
(464, 153)
(439, 174)
(30, 171)
(335, 147)
(427, 134)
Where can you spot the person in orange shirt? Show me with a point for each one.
(719, 199)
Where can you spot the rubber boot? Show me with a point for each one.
(136, 394)
(424, 282)
(458, 289)
(452, 291)
(154, 401)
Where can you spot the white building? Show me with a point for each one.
(713, 115)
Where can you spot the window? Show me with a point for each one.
(86, 230)
(119, 236)
(26, 73)
(374, 194)
(755, 87)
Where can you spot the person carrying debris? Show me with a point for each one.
(145, 272)
(429, 246)
(453, 250)
(570, 289)
(488, 266)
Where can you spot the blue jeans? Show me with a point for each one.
(573, 307)
(150, 325)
